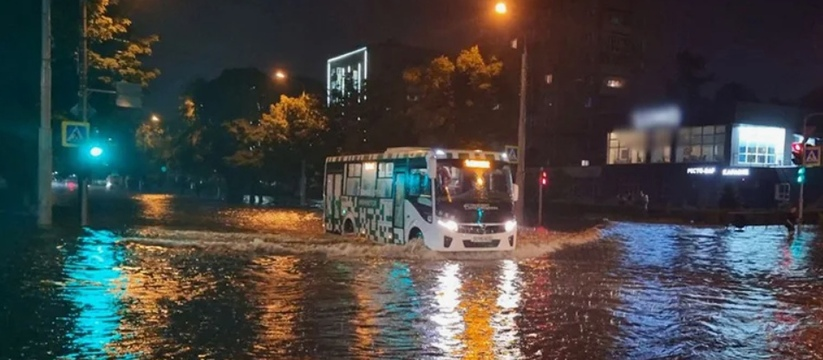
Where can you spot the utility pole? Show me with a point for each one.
(84, 108)
(521, 137)
(44, 163)
(801, 199)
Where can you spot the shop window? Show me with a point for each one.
(759, 145)
(626, 147)
(701, 144)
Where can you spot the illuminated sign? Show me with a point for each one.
(701, 171)
(710, 170)
(480, 164)
(735, 172)
(657, 117)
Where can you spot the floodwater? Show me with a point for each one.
(146, 290)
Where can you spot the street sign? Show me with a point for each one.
(129, 95)
(511, 152)
(812, 156)
(74, 133)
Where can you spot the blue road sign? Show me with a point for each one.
(74, 133)
(812, 156)
(511, 153)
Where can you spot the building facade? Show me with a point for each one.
(588, 54)
(691, 166)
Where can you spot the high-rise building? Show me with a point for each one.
(586, 55)
(381, 63)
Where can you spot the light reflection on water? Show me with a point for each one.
(650, 291)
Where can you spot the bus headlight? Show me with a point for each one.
(511, 225)
(448, 224)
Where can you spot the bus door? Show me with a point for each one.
(399, 204)
(334, 188)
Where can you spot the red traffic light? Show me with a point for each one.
(544, 178)
(797, 153)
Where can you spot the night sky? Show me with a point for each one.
(773, 46)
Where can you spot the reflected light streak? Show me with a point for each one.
(505, 328)
(447, 318)
(364, 320)
(280, 289)
(478, 304)
(155, 206)
(150, 287)
(95, 286)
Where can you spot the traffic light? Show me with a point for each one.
(797, 153)
(96, 151)
(801, 175)
(544, 178)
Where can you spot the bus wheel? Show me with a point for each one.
(348, 227)
(415, 234)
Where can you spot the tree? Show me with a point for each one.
(292, 129)
(116, 53)
(458, 103)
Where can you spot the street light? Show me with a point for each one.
(501, 8)
(155, 118)
(279, 75)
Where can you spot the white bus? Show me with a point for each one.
(454, 200)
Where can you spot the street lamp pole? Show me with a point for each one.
(801, 200)
(521, 136)
(44, 163)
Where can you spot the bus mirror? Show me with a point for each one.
(515, 192)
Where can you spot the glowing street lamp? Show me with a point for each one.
(155, 118)
(279, 75)
(501, 8)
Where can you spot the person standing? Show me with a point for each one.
(791, 220)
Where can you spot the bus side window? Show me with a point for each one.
(419, 189)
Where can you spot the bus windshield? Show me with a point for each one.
(472, 181)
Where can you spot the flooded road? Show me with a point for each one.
(639, 292)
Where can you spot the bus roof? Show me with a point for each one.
(419, 152)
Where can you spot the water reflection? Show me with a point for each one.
(650, 291)
(279, 285)
(94, 284)
(506, 333)
(448, 320)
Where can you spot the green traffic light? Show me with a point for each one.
(801, 175)
(96, 151)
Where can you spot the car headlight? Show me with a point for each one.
(511, 225)
(448, 224)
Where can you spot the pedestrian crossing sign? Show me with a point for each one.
(812, 156)
(74, 133)
(511, 153)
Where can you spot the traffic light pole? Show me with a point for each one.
(540, 200)
(44, 163)
(521, 137)
(84, 108)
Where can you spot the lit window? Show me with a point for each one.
(701, 144)
(759, 145)
(627, 147)
(615, 82)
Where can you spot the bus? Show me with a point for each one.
(452, 200)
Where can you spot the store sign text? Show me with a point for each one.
(701, 171)
(713, 170)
